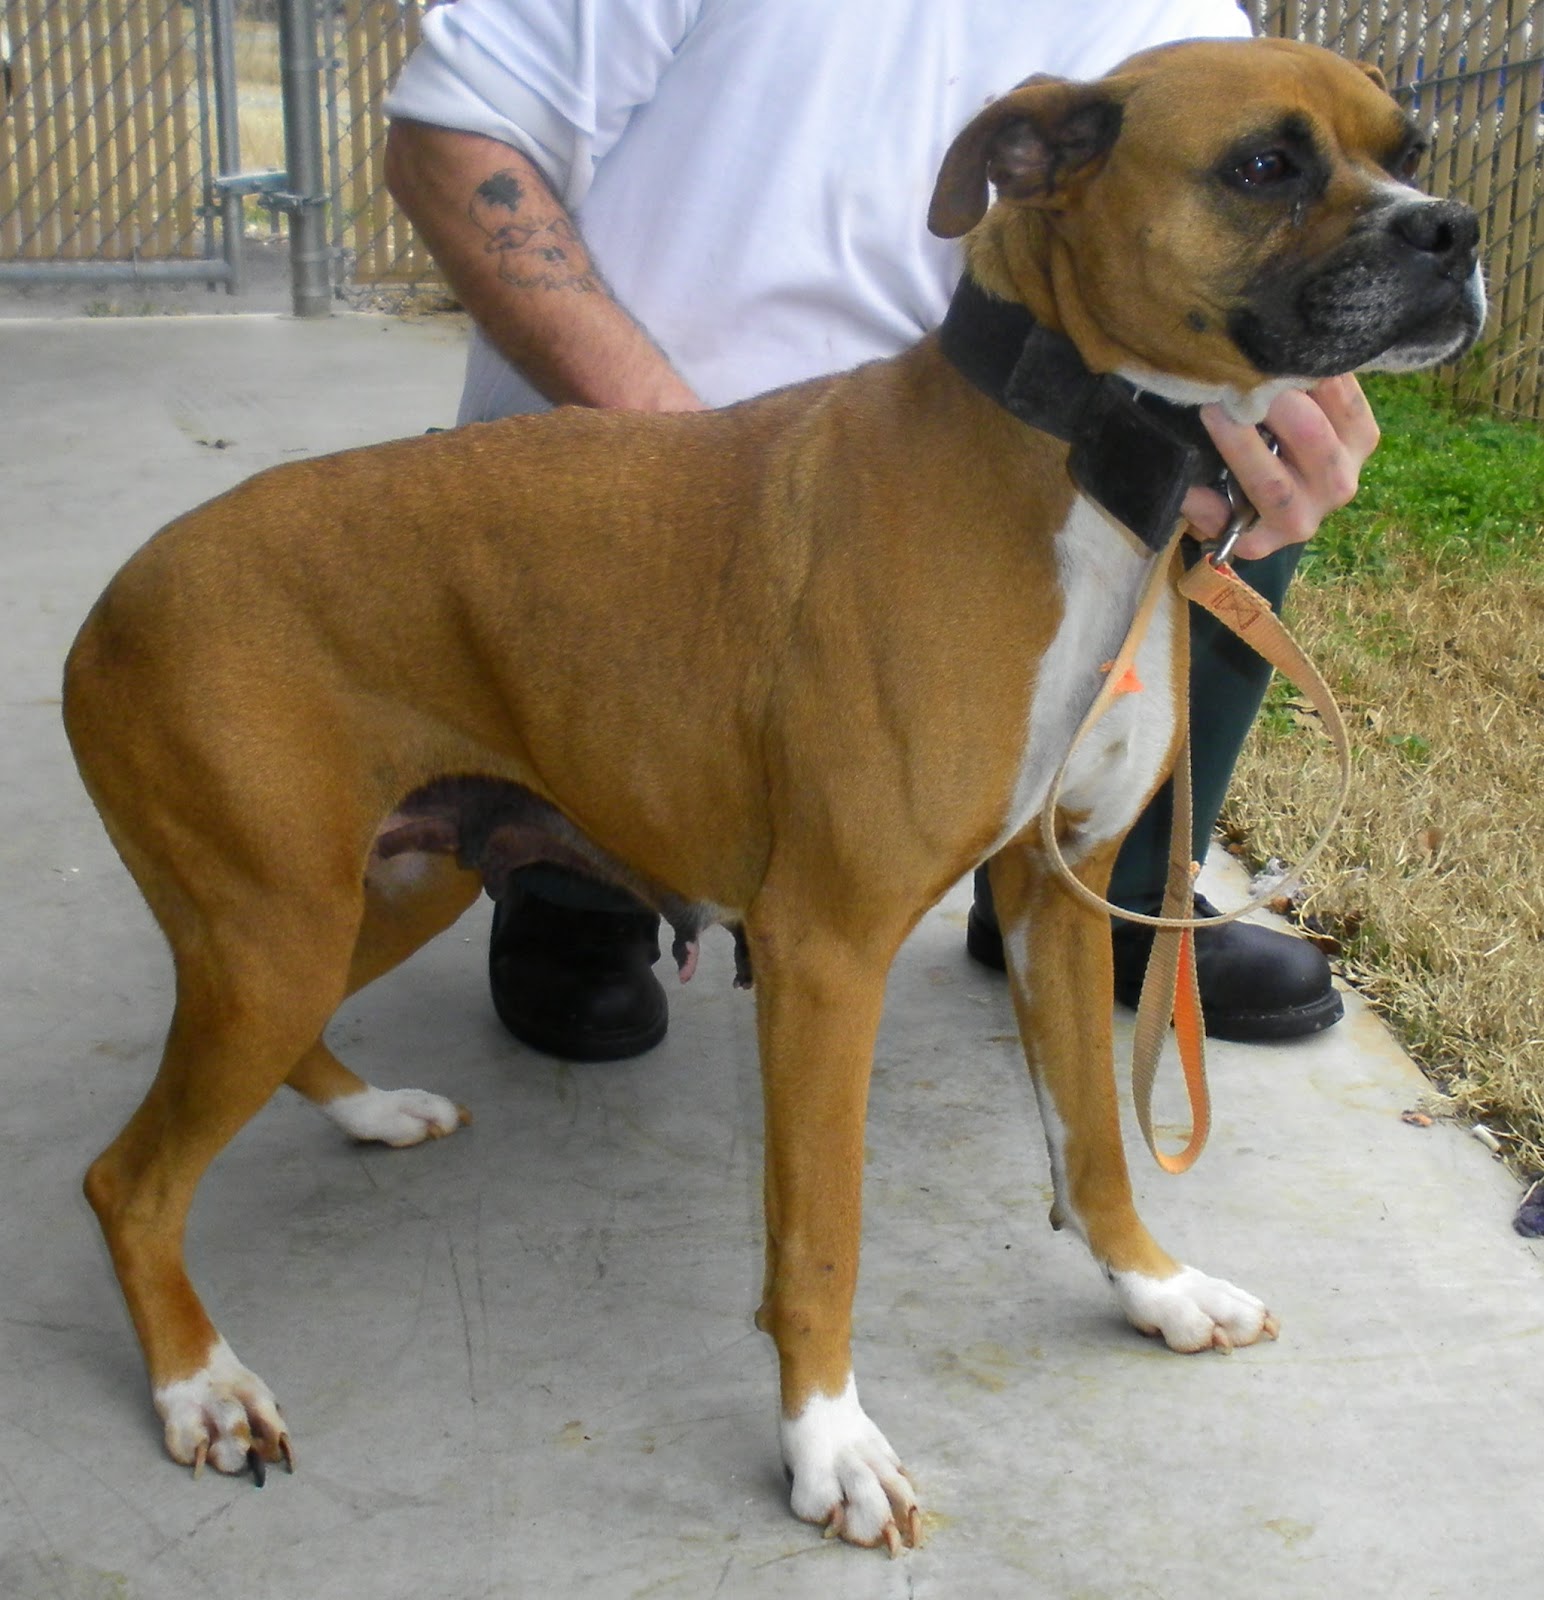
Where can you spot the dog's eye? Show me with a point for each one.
(1409, 163)
(1265, 169)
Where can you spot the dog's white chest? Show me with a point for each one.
(1101, 575)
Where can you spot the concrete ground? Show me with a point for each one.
(519, 1362)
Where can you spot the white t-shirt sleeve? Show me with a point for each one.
(557, 79)
(1206, 19)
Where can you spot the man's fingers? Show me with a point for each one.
(1323, 437)
(1207, 512)
(1343, 403)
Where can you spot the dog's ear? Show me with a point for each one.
(1372, 72)
(1029, 146)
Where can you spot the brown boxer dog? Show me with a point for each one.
(796, 666)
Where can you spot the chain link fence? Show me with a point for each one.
(108, 114)
(105, 146)
(365, 43)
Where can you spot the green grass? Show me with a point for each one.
(1447, 488)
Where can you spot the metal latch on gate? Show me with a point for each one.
(269, 189)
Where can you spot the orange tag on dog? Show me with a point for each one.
(1129, 682)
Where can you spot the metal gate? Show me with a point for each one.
(107, 160)
(120, 149)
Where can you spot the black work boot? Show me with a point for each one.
(983, 938)
(576, 983)
(1256, 983)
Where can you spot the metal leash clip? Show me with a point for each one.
(1243, 513)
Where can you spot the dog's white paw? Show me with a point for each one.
(224, 1415)
(398, 1117)
(845, 1475)
(1190, 1311)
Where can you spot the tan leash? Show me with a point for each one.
(1169, 989)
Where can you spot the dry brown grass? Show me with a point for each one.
(1431, 887)
(259, 112)
(257, 52)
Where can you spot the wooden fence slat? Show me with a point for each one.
(82, 139)
(41, 130)
(180, 177)
(1518, 160)
(135, 201)
(1521, 317)
(181, 172)
(1478, 179)
(157, 242)
(18, 140)
(408, 258)
(120, 176)
(53, 163)
(387, 221)
(380, 35)
(361, 25)
(375, 80)
(103, 129)
(1403, 65)
(158, 152)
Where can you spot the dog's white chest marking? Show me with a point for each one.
(1100, 575)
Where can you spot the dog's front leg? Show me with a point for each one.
(818, 1004)
(1059, 965)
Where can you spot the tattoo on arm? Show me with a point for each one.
(543, 254)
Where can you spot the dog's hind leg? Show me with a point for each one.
(406, 905)
(1059, 964)
(259, 971)
(819, 999)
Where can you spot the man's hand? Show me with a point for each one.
(1325, 434)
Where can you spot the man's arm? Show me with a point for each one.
(517, 262)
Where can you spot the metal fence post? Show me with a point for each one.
(300, 72)
(222, 21)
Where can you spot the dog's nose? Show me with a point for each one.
(1446, 229)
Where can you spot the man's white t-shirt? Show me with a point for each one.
(752, 176)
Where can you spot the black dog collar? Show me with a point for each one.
(1133, 453)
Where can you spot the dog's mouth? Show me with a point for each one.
(1403, 291)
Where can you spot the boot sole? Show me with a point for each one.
(567, 1045)
(984, 944)
(1263, 1027)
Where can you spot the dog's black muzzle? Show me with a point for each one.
(1401, 291)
